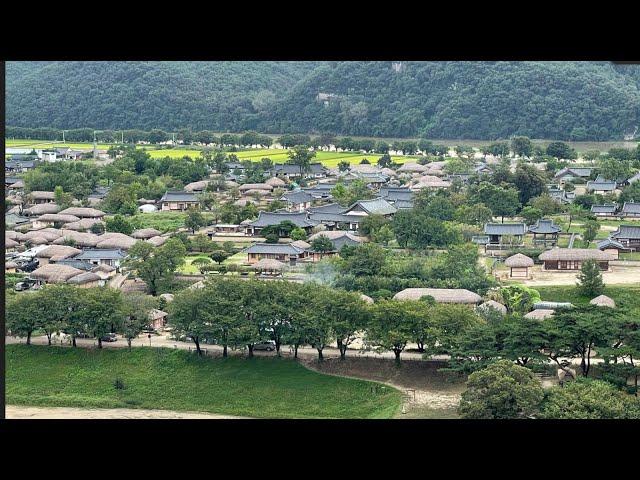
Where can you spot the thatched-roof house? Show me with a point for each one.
(38, 196)
(519, 265)
(411, 167)
(39, 240)
(83, 224)
(492, 304)
(50, 234)
(157, 241)
(16, 236)
(440, 295)
(301, 244)
(146, 233)
(81, 239)
(603, 301)
(572, 258)
(257, 192)
(58, 252)
(115, 240)
(256, 186)
(41, 209)
(84, 212)
(539, 314)
(200, 186)
(10, 244)
(53, 218)
(167, 297)
(10, 267)
(86, 280)
(276, 182)
(269, 266)
(53, 273)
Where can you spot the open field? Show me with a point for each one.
(71, 413)
(16, 143)
(168, 379)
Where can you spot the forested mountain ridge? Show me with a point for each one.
(475, 100)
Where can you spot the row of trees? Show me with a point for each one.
(238, 313)
(78, 312)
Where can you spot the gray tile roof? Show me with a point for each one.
(626, 231)
(335, 217)
(607, 208)
(545, 226)
(179, 197)
(609, 243)
(576, 172)
(297, 197)
(266, 219)
(392, 194)
(329, 208)
(100, 254)
(630, 207)
(377, 206)
(601, 185)
(274, 248)
(505, 228)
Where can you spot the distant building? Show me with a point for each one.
(178, 201)
(628, 236)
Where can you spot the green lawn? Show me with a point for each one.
(177, 380)
(625, 296)
(163, 221)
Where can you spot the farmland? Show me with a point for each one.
(177, 380)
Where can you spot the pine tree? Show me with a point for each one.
(590, 279)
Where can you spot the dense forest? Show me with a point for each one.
(474, 100)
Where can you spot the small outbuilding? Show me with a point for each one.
(440, 295)
(519, 265)
(269, 266)
(539, 314)
(492, 304)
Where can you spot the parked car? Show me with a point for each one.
(268, 345)
(109, 337)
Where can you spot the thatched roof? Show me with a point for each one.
(168, 297)
(82, 224)
(256, 186)
(60, 251)
(366, 298)
(603, 301)
(81, 239)
(10, 265)
(242, 202)
(58, 217)
(493, 304)
(41, 209)
(157, 241)
(301, 244)
(575, 254)
(40, 195)
(539, 314)
(49, 234)
(196, 186)
(115, 240)
(412, 167)
(276, 182)
(103, 267)
(155, 314)
(8, 243)
(39, 240)
(146, 233)
(257, 191)
(83, 212)
(16, 236)
(83, 278)
(268, 264)
(440, 295)
(518, 260)
(54, 273)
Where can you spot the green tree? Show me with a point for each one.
(477, 214)
(384, 235)
(589, 399)
(522, 146)
(119, 224)
(321, 244)
(155, 265)
(194, 220)
(561, 150)
(22, 316)
(391, 326)
(202, 263)
(501, 391)
(531, 214)
(590, 281)
(101, 311)
(136, 308)
(298, 234)
(219, 256)
(591, 228)
(301, 156)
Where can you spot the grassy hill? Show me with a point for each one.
(448, 100)
(177, 380)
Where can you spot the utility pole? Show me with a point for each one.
(95, 146)
(63, 137)
(122, 137)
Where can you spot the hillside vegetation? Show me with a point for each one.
(177, 380)
(465, 100)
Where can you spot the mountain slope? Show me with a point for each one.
(480, 100)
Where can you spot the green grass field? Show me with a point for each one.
(627, 296)
(178, 380)
(16, 143)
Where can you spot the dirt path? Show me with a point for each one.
(421, 382)
(23, 412)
